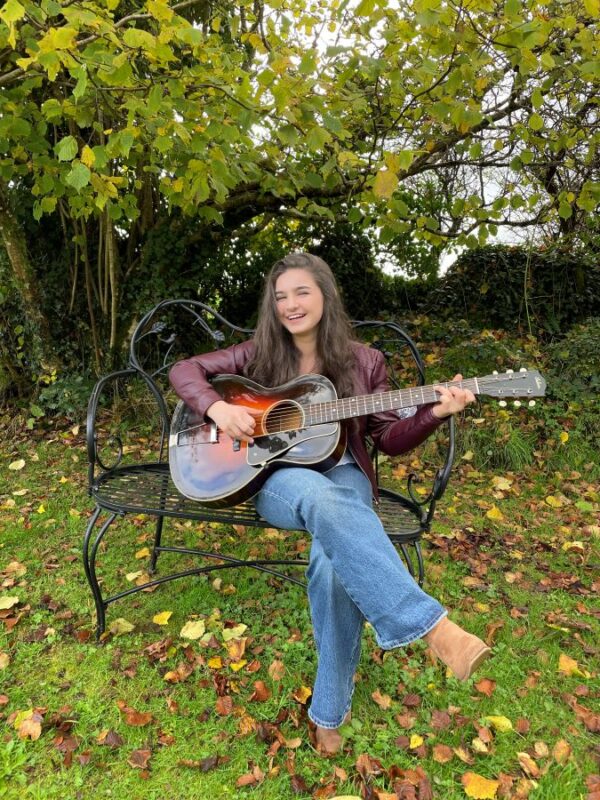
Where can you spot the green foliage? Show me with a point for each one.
(67, 397)
(575, 360)
(515, 288)
(13, 762)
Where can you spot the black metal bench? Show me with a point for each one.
(176, 329)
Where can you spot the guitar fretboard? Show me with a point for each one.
(396, 399)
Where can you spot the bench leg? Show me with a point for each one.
(155, 551)
(420, 576)
(89, 565)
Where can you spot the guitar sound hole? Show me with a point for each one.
(285, 416)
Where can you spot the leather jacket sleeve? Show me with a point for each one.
(190, 378)
(391, 434)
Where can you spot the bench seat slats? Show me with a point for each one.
(149, 489)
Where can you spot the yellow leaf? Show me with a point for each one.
(561, 751)
(132, 576)
(162, 618)
(216, 662)
(233, 633)
(17, 465)
(41, 509)
(20, 492)
(302, 694)
(88, 157)
(385, 184)
(495, 514)
(237, 666)
(579, 546)
(478, 787)
(564, 437)
(568, 666)
(193, 630)
(143, 553)
(553, 501)
(8, 602)
(384, 701)
(415, 741)
(502, 484)
(120, 626)
(468, 456)
(502, 724)
(4, 660)
(74, 512)
(63, 480)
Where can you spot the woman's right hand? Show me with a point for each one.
(236, 421)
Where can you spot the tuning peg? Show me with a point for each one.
(509, 371)
(495, 372)
(523, 369)
(517, 404)
(531, 403)
(503, 403)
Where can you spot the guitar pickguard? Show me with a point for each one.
(297, 447)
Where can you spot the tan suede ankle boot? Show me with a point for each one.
(461, 651)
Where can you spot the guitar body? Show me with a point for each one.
(208, 466)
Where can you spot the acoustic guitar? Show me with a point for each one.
(297, 424)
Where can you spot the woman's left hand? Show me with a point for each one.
(452, 400)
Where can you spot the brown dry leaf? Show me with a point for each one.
(109, 738)
(524, 788)
(224, 705)
(384, 701)
(486, 686)
(261, 693)
(491, 630)
(561, 751)
(132, 717)
(246, 780)
(276, 670)
(293, 744)
(528, 765)
(236, 648)
(541, 749)
(139, 759)
(440, 720)
(31, 727)
(463, 754)
(406, 720)
(522, 726)
(478, 787)
(442, 753)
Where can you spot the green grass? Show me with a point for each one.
(521, 573)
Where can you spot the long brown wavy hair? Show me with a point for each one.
(277, 358)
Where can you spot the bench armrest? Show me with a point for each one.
(94, 433)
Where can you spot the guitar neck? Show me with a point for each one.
(394, 400)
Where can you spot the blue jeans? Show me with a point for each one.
(354, 574)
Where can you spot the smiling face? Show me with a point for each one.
(299, 302)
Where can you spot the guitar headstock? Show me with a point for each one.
(525, 383)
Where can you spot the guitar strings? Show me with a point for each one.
(286, 417)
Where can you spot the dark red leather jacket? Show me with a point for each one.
(392, 435)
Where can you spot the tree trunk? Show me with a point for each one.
(25, 283)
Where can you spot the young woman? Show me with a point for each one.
(354, 571)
